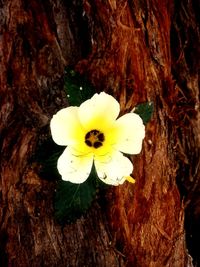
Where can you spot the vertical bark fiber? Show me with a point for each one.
(137, 51)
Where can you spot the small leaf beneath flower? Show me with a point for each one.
(145, 111)
(77, 87)
(73, 200)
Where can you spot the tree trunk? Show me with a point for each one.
(137, 51)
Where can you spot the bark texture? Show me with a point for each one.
(137, 51)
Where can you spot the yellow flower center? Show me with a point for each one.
(94, 138)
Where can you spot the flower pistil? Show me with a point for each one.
(94, 138)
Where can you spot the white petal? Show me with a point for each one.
(99, 112)
(74, 168)
(130, 133)
(112, 169)
(65, 127)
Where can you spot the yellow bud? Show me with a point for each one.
(130, 179)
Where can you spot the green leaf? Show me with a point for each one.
(73, 200)
(77, 87)
(145, 111)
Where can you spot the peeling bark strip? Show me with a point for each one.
(137, 51)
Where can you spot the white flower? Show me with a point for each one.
(92, 133)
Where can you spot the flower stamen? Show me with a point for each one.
(94, 138)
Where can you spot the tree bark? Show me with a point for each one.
(137, 51)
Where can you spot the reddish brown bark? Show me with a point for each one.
(137, 51)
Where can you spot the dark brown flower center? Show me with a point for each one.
(94, 138)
